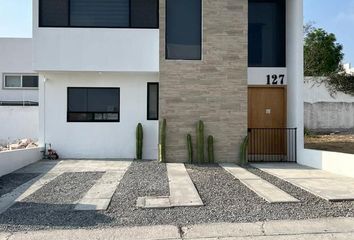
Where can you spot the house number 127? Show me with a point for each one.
(275, 79)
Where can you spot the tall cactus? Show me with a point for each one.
(190, 148)
(139, 141)
(162, 145)
(211, 149)
(200, 142)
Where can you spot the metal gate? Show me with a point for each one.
(272, 144)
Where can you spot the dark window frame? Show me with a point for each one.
(200, 32)
(283, 63)
(148, 101)
(91, 121)
(41, 25)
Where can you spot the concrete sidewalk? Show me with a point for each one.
(317, 229)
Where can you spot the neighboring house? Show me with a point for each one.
(105, 66)
(19, 114)
(19, 83)
(348, 68)
(324, 112)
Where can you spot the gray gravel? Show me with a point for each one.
(10, 182)
(225, 199)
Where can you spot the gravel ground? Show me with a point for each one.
(225, 199)
(11, 181)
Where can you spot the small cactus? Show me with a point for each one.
(162, 145)
(211, 149)
(139, 141)
(200, 142)
(190, 148)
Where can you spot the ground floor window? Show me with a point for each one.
(93, 104)
(153, 101)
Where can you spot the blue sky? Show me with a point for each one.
(336, 16)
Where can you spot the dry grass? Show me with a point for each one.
(334, 143)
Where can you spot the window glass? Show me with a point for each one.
(144, 13)
(266, 33)
(99, 13)
(153, 101)
(93, 104)
(30, 81)
(54, 13)
(183, 29)
(13, 81)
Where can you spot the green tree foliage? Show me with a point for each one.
(322, 53)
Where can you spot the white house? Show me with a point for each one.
(105, 66)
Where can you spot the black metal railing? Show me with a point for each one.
(272, 144)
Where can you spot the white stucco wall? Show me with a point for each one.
(16, 57)
(94, 49)
(18, 122)
(97, 140)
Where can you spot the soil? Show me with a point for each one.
(333, 142)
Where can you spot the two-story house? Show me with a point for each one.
(105, 66)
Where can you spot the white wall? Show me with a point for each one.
(258, 75)
(13, 160)
(97, 140)
(338, 163)
(94, 49)
(18, 122)
(16, 57)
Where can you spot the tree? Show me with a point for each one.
(322, 53)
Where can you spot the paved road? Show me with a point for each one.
(318, 229)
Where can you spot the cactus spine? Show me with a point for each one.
(162, 145)
(211, 149)
(139, 141)
(190, 148)
(200, 142)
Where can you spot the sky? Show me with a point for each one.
(335, 16)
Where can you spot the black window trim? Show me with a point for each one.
(41, 25)
(148, 102)
(91, 121)
(200, 32)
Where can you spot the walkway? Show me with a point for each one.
(323, 184)
(319, 229)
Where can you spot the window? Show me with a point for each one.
(20, 81)
(153, 101)
(267, 33)
(93, 104)
(98, 13)
(183, 29)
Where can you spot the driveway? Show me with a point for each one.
(51, 203)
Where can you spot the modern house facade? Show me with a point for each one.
(105, 66)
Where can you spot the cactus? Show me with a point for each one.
(243, 151)
(139, 141)
(200, 142)
(162, 145)
(190, 148)
(211, 149)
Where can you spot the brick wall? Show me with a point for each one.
(214, 89)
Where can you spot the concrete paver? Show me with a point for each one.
(323, 184)
(182, 191)
(100, 195)
(26, 189)
(262, 188)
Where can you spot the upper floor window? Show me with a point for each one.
(98, 13)
(267, 33)
(20, 81)
(184, 29)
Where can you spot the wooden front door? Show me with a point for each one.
(267, 120)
